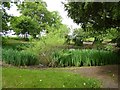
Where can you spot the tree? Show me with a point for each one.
(5, 17)
(39, 12)
(101, 15)
(79, 36)
(25, 24)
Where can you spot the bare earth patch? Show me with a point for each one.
(0, 63)
(108, 75)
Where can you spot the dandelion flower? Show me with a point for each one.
(40, 80)
(63, 85)
(84, 83)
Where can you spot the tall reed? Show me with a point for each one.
(18, 58)
(85, 57)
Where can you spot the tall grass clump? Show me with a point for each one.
(85, 57)
(19, 58)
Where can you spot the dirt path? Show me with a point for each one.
(108, 75)
(0, 63)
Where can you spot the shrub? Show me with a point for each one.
(109, 47)
(4, 40)
(46, 46)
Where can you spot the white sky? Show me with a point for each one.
(58, 6)
(51, 6)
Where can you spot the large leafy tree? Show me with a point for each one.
(39, 12)
(25, 24)
(100, 15)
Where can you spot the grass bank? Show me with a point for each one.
(48, 78)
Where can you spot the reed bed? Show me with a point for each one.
(85, 57)
(19, 58)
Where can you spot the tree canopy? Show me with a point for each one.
(102, 15)
(39, 12)
(96, 16)
(5, 17)
(25, 24)
(35, 18)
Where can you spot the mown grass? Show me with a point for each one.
(89, 39)
(16, 44)
(85, 57)
(48, 78)
(0, 77)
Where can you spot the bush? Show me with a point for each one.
(109, 47)
(46, 46)
(84, 57)
(4, 40)
(19, 58)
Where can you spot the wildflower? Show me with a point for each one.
(63, 85)
(84, 83)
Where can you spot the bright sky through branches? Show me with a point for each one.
(55, 5)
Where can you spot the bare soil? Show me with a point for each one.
(108, 75)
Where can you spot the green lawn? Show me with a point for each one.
(90, 39)
(46, 78)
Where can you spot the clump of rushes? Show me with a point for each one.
(85, 57)
(19, 58)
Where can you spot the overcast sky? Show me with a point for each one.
(51, 6)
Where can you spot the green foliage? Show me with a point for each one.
(15, 43)
(89, 39)
(109, 47)
(47, 78)
(81, 33)
(19, 58)
(118, 40)
(5, 17)
(39, 12)
(25, 24)
(15, 52)
(79, 36)
(41, 49)
(84, 57)
(4, 40)
(101, 15)
(47, 45)
(112, 33)
(96, 17)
